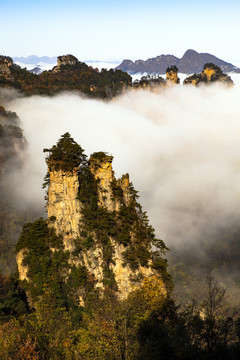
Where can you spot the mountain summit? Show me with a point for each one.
(96, 237)
(191, 62)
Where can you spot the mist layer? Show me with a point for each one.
(180, 146)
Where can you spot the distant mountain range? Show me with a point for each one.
(191, 62)
(34, 59)
(37, 64)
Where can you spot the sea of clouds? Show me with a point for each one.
(180, 146)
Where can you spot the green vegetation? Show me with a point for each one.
(66, 155)
(118, 225)
(50, 270)
(145, 325)
(217, 76)
(102, 84)
(99, 155)
(13, 300)
(172, 68)
(149, 81)
(129, 226)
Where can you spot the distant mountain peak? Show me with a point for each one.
(190, 52)
(191, 62)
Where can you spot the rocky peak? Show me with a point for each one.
(5, 71)
(104, 233)
(7, 60)
(190, 54)
(66, 60)
(172, 75)
(100, 165)
(63, 205)
(211, 73)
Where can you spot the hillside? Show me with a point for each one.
(191, 62)
(69, 75)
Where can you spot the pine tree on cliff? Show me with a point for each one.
(67, 153)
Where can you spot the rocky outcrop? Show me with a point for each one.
(22, 269)
(104, 233)
(172, 75)
(210, 74)
(65, 60)
(151, 83)
(12, 141)
(7, 60)
(101, 168)
(5, 71)
(63, 207)
(191, 62)
(64, 212)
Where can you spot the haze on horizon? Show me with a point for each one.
(114, 30)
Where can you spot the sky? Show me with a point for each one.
(116, 30)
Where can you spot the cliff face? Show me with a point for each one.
(104, 175)
(63, 205)
(211, 73)
(104, 233)
(172, 75)
(12, 141)
(5, 63)
(65, 60)
(66, 209)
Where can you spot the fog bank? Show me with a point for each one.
(180, 146)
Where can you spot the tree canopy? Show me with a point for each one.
(66, 154)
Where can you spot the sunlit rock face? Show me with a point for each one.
(65, 209)
(5, 71)
(63, 205)
(104, 175)
(210, 74)
(22, 269)
(172, 75)
(65, 60)
(95, 224)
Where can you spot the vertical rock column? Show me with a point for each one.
(172, 75)
(101, 168)
(64, 209)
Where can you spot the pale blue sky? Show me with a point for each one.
(103, 29)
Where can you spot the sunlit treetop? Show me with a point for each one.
(66, 154)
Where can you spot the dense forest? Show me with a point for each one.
(78, 77)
